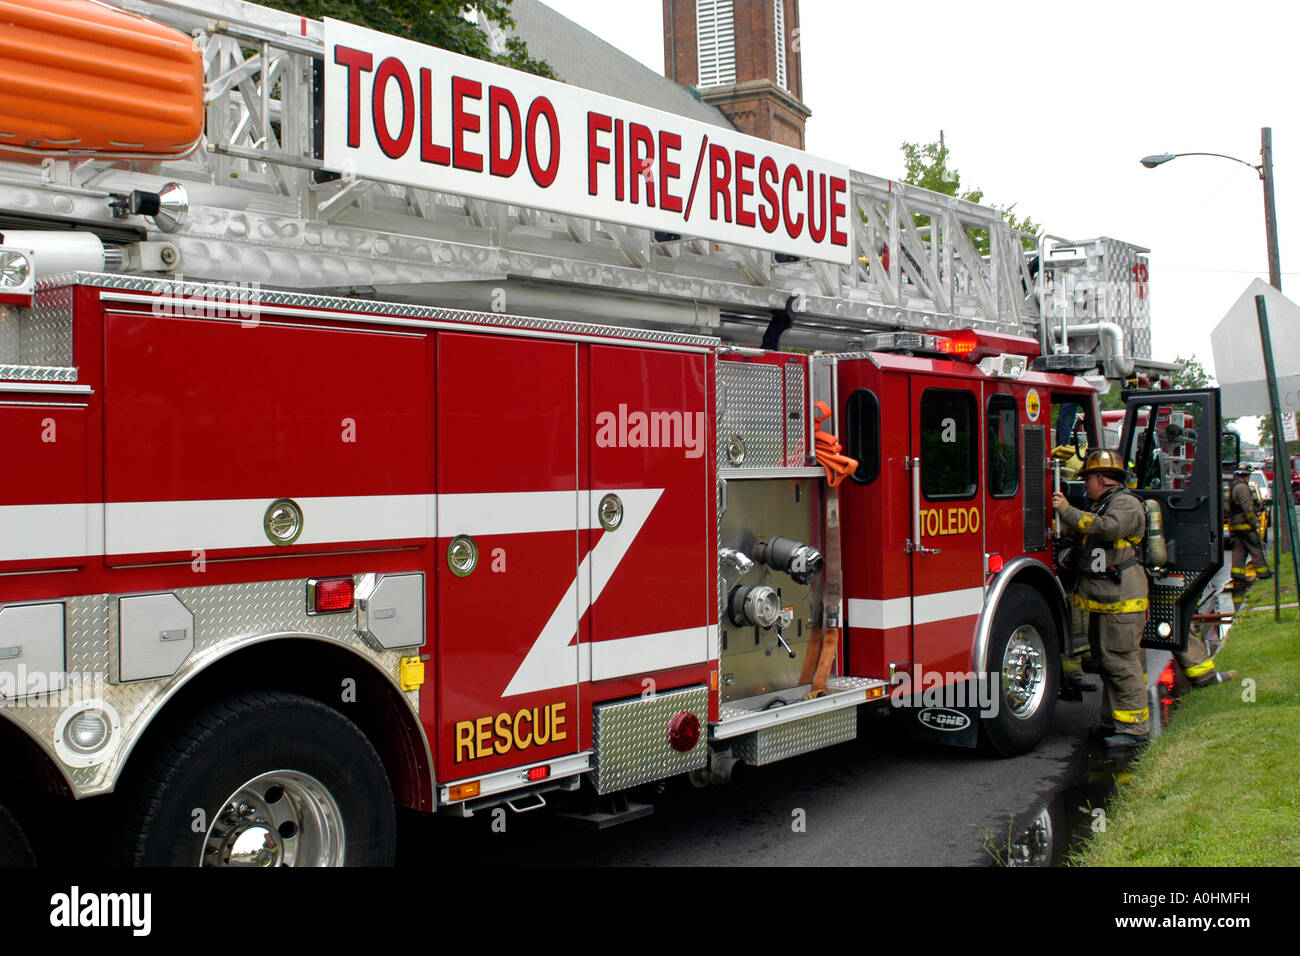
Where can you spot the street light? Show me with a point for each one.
(1265, 170)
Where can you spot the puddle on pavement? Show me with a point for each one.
(1045, 835)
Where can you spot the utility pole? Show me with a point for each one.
(1282, 533)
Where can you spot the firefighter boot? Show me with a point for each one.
(1219, 677)
(1125, 741)
(1073, 683)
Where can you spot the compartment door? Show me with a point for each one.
(946, 498)
(653, 544)
(506, 555)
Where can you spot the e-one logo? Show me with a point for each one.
(941, 718)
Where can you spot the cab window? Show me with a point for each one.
(1003, 447)
(863, 434)
(1162, 450)
(949, 444)
(1074, 431)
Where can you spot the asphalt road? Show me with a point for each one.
(877, 800)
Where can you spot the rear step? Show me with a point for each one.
(771, 727)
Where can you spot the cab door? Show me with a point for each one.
(1171, 443)
(947, 541)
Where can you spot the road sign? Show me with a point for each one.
(1238, 356)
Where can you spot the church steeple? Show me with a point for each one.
(743, 57)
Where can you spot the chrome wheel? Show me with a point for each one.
(281, 818)
(1024, 672)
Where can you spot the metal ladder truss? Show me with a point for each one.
(263, 210)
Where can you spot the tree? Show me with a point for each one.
(439, 23)
(1266, 438)
(1191, 375)
(927, 166)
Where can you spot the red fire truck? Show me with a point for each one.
(279, 553)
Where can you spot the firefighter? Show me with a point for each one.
(1111, 587)
(1243, 522)
(1198, 665)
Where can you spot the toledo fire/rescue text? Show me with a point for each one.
(528, 727)
(493, 129)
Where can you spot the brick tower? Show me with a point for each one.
(743, 57)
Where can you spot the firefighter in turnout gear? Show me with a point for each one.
(1243, 522)
(1111, 588)
(1198, 665)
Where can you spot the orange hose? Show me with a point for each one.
(827, 450)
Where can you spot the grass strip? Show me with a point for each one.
(1219, 786)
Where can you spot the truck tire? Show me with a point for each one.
(14, 848)
(262, 779)
(1024, 660)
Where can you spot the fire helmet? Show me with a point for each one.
(1105, 462)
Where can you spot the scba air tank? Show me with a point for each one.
(1157, 553)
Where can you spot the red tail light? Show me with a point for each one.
(539, 773)
(330, 595)
(1167, 677)
(684, 731)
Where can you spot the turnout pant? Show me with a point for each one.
(1116, 646)
(1244, 542)
(1196, 661)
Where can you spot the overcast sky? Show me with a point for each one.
(1050, 106)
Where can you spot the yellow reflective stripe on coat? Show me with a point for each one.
(1123, 543)
(1196, 670)
(1131, 716)
(1118, 607)
(1241, 527)
(1086, 522)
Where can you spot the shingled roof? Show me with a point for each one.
(583, 59)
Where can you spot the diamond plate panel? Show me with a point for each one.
(38, 373)
(796, 426)
(797, 737)
(45, 335)
(8, 335)
(631, 739)
(226, 617)
(362, 309)
(1106, 290)
(1162, 605)
(750, 406)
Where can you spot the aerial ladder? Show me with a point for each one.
(252, 203)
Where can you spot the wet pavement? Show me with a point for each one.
(1064, 819)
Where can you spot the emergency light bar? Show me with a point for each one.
(972, 345)
(1064, 362)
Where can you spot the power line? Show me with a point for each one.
(1261, 273)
